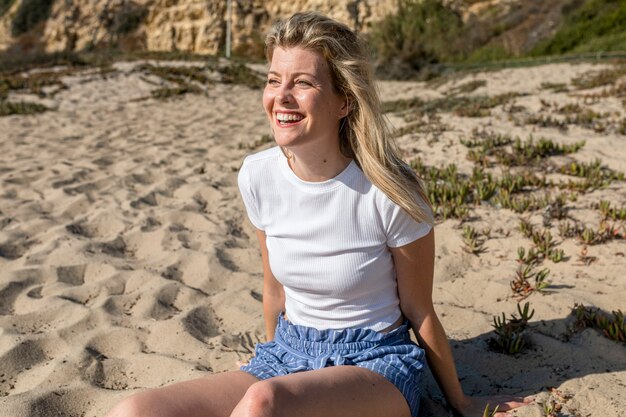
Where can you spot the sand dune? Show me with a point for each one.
(126, 260)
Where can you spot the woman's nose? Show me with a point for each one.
(284, 95)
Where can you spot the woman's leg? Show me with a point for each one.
(211, 396)
(336, 391)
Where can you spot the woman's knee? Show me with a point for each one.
(262, 399)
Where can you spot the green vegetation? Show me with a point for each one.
(488, 412)
(420, 33)
(14, 62)
(452, 193)
(467, 87)
(462, 106)
(426, 38)
(601, 78)
(473, 241)
(29, 14)
(237, 73)
(8, 108)
(509, 334)
(5, 5)
(611, 326)
(488, 53)
(166, 93)
(597, 25)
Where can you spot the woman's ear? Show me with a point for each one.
(346, 108)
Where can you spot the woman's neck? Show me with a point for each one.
(316, 165)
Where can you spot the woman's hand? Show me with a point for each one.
(476, 406)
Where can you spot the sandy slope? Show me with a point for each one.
(127, 261)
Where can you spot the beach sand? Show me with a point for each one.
(127, 261)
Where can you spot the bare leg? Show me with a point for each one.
(211, 396)
(339, 391)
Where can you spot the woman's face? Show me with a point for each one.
(300, 100)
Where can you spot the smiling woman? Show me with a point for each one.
(347, 243)
(305, 111)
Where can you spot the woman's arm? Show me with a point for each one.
(415, 264)
(273, 291)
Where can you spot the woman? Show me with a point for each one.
(347, 245)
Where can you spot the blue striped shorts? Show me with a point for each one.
(299, 348)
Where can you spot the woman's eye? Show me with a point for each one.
(272, 81)
(304, 82)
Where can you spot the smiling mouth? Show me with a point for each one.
(286, 119)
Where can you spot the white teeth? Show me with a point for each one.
(285, 117)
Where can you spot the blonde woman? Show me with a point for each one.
(347, 243)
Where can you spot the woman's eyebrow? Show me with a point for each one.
(295, 74)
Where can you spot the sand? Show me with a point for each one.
(127, 262)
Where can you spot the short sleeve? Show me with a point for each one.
(400, 228)
(247, 195)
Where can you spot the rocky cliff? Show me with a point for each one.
(199, 26)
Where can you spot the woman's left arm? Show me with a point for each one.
(415, 264)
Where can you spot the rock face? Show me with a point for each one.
(199, 26)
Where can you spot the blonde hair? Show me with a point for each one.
(363, 133)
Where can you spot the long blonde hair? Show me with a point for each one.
(363, 133)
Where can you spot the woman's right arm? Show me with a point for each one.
(273, 291)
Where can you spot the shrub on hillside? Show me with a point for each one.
(5, 5)
(594, 26)
(421, 32)
(29, 14)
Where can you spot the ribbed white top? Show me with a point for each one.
(328, 242)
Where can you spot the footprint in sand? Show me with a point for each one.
(164, 308)
(102, 362)
(73, 275)
(82, 228)
(24, 279)
(79, 176)
(173, 273)
(225, 259)
(59, 402)
(200, 323)
(21, 357)
(116, 247)
(121, 304)
(150, 224)
(15, 247)
(103, 224)
(149, 200)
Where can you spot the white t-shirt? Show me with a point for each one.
(328, 242)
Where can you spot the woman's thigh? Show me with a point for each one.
(336, 391)
(211, 396)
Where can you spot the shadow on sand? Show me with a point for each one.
(555, 354)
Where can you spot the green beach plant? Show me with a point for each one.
(474, 243)
(612, 325)
(601, 78)
(488, 412)
(521, 284)
(609, 212)
(467, 87)
(509, 335)
(8, 108)
(594, 175)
